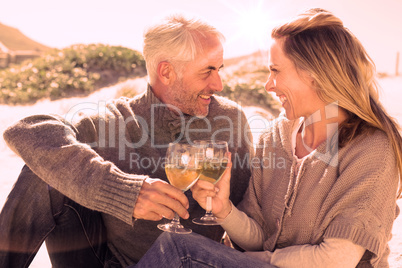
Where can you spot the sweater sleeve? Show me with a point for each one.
(247, 234)
(332, 252)
(53, 149)
(243, 230)
(361, 206)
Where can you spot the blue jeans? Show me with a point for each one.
(34, 212)
(193, 250)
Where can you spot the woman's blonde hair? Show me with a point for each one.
(176, 40)
(316, 41)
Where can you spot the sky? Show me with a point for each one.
(246, 24)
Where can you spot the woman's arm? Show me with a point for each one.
(332, 252)
(243, 230)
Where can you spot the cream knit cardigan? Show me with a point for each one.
(349, 193)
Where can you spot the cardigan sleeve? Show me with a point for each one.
(251, 204)
(361, 205)
(332, 252)
(59, 153)
(243, 230)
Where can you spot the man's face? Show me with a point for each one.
(199, 80)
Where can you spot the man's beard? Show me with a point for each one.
(187, 104)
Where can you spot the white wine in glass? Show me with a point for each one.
(214, 162)
(182, 167)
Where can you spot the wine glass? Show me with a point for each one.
(182, 167)
(214, 164)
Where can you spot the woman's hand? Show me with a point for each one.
(264, 256)
(220, 192)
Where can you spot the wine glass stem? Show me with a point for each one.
(209, 205)
(176, 220)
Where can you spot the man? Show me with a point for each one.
(96, 189)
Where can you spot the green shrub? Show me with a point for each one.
(76, 70)
(247, 94)
(246, 86)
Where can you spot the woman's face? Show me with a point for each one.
(293, 87)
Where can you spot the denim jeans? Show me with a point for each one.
(193, 250)
(34, 212)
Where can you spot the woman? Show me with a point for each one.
(325, 177)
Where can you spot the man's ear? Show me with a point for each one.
(166, 73)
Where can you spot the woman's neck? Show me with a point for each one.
(318, 128)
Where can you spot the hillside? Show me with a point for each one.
(75, 70)
(14, 39)
(244, 81)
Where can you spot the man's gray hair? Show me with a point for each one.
(175, 40)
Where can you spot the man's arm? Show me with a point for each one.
(50, 148)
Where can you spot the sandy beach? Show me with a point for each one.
(10, 164)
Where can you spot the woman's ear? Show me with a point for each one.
(166, 73)
(312, 81)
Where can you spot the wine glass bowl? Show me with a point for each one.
(182, 167)
(182, 177)
(214, 162)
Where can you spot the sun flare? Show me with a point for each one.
(252, 24)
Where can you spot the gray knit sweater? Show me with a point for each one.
(100, 160)
(349, 194)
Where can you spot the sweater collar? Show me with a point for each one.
(163, 117)
(326, 151)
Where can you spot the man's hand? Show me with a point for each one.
(158, 199)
